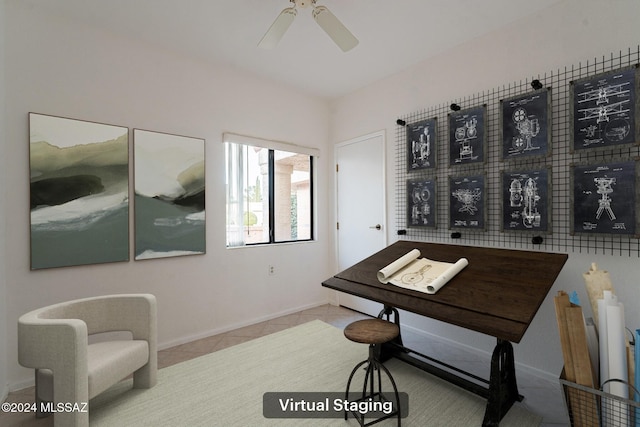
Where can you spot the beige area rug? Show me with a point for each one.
(226, 388)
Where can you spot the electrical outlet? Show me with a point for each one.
(272, 270)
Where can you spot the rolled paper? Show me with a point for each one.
(617, 351)
(447, 275)
(617, 411)
(637, 375)
(385, 274)
(603, 342)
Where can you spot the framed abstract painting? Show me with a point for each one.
(79, 192)
(169, 182)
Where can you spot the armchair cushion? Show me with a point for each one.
(109, 362)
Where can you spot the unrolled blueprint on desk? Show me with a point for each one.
(420, 274)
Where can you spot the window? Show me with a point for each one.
(269, 191)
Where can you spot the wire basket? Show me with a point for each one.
(588, 407)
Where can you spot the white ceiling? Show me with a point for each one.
(393, 34)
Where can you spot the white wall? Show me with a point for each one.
(3, 282)
(66, 69)
(570, 32)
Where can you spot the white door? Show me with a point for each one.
(360, 201)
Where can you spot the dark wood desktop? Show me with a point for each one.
(497, 294)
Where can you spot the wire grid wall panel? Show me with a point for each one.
(559, 237)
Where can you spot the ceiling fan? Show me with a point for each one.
(323, 16)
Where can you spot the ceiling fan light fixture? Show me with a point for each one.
(323, 16)
(278, 28)
(303, 3)
(334, 28)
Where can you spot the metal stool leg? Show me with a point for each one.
(395, 390)
(373, 364)
(353, 372)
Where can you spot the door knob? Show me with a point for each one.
(377, 227)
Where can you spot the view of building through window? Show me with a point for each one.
(292, 196)
(269, 197)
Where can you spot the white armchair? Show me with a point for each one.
(69, 371)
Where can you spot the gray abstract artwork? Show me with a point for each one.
(169, 181)
(78, 191)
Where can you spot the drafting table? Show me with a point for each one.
(497, 294)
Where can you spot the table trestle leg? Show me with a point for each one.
(503, 388)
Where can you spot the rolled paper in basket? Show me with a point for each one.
(617, 410)
(637, 375)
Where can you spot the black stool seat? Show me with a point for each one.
(374, 332)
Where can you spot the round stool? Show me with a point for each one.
(374, 332)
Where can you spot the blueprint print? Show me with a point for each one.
(604, 198)
(421, 203)
(526, 125)
(605, 109)
(467, 136)
(525, 200)
(421, 144)
(467, 202)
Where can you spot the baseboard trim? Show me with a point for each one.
(233, 326)
(538, 373)
(21, 385)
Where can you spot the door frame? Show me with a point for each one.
(359, 139)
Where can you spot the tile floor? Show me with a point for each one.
(541, 396)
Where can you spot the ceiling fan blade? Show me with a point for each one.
(334, 28)
(278, 28)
